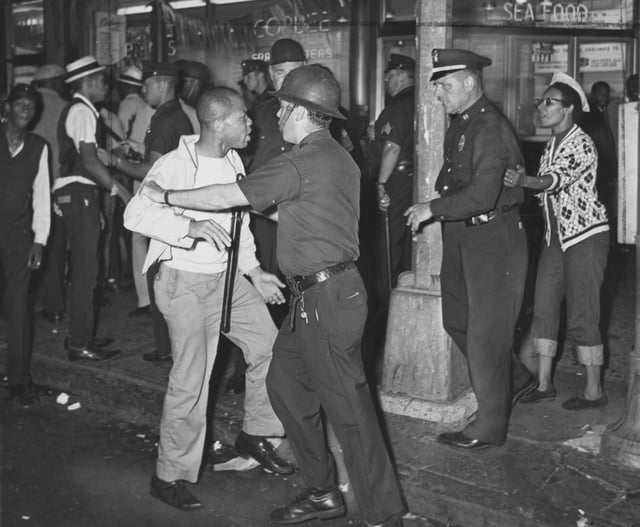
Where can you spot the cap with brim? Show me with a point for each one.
(286, 50)
(22, 91)
(48, 71)
(400, 62)
(132, 76)
(82, 68)
(251, 65)
(195, 70)
(449, 60)
(563, 78)
(158, 69)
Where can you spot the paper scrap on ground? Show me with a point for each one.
(589, 442)
(74, 406)
(62, 398)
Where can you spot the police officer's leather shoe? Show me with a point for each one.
(312, 503)
(461, 440)
(174, 493)
(260, 449)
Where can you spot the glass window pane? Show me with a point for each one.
(28, 27)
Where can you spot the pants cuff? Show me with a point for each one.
(545, 347)
(591, 355)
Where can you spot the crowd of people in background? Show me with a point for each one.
(85, 139)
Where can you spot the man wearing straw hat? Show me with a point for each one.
(76, 194)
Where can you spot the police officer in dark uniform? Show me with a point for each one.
(484, 261)
(393, 165)
(168, 123)
(316, 367)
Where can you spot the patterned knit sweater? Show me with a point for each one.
(572, 197)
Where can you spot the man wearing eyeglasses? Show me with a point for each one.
(484, 260)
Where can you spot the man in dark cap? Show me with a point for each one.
(193, 78)
(316, 370)
(24, 227)
(484, 260)
(167, 125)
(392, 166)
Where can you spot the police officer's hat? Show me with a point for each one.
(449, 60)
(251, 65)
(195, 70)
(158, 69)
(286, 50)
(400, 62)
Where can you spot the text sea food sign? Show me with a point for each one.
(592, 14)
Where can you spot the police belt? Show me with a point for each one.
(299, 284)
(487, 217)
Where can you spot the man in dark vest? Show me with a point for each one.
(24, 172)
(76, 197)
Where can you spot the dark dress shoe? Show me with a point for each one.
(525, 390)
(174, 493)
(312, 503)
(582, 403)
(235, 385)
(140, 312)
(54, 317)
(154, 356)
(539, 395)
(461, 440)
(91, 353)
(23, 394)
(260, 449)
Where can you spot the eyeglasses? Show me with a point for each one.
(547, 101)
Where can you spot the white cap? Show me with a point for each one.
(563, 78)
(131, 75)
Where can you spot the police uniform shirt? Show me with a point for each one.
(395, 124)
(479, 146)
(268, 139)
(317, 189)
(168, 123)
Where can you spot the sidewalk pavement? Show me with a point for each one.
(549, 473)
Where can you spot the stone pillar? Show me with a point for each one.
(424, 374)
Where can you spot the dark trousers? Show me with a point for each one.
(79, 227)
(14, 254)
(317, 368)
(483, 276)
(159, 324)
(55, 260)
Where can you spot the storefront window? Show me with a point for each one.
(28, 27)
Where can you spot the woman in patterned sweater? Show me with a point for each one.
(574, 254)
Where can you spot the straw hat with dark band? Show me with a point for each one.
(82, 68)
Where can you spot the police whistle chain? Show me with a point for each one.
(232, 266)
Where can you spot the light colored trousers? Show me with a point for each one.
(191, 303)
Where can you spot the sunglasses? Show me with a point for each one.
(547, 101)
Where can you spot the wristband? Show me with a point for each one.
(166, 198)
(114, 190)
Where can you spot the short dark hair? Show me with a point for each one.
(216, 104)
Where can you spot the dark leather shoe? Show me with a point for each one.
(54, 317)
(525, 390)
(461, 440)
(23, 394)
(174, 493)
(140, 312)
(312, 503)
(580, 402)
(539, 395)
(91, 353)
(154, 356)
(260, 449)
(235, 385)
